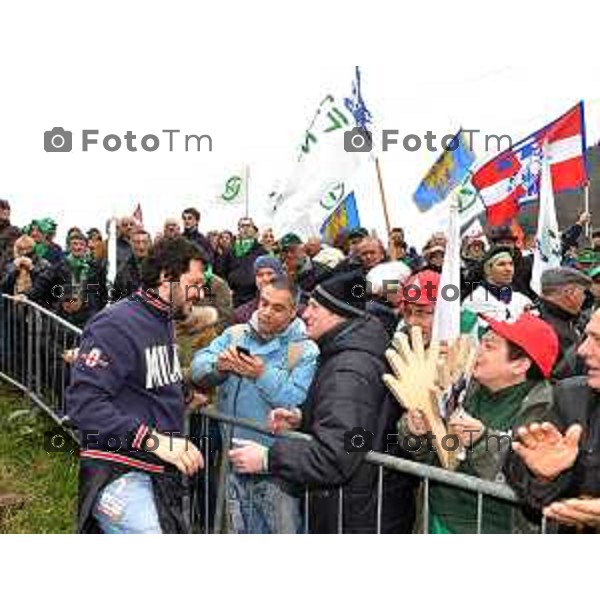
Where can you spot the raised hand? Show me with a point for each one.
(546, 452)
(415, 383)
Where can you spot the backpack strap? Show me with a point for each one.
(237, 333)
(294, 354)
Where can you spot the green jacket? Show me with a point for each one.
(455, 511)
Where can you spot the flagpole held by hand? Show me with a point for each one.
(383, 200)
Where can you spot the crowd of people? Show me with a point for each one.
(333, 340)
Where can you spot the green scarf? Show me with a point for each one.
(243, 247)
(78, 266)
(208, 275)
(454, 510)
(40, 250)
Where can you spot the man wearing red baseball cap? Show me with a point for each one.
(556, 463)
(509, 388)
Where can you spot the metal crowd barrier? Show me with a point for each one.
(425, 473)
(33, 342)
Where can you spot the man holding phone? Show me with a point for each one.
(265, 364)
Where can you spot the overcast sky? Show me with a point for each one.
(251, 77)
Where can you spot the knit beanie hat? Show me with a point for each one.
(345, 295)
(268, 262)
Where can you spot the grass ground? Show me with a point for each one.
(47, 483)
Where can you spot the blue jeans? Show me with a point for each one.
(127, 506)
(257, 504)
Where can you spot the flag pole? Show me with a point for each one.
(587, 209)
(247, 198)
(383, 200)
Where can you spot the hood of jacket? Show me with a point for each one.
(365, 334)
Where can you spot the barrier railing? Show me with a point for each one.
(33, 343)
(425, 473)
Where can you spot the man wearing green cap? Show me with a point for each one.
(43, 232)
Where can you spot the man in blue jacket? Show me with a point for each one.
(265, 364)
(126, 399)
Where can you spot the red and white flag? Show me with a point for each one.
(513, 177)
(138, 216)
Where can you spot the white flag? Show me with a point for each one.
(547, 251)
(446, 321)
(234, 189)
(336, 144)
(111, 274)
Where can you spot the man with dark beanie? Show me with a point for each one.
(347, 412)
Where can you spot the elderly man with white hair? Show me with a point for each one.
(385, 284)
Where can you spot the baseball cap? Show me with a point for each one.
(289, 240)
(423, 288)
(533, 335)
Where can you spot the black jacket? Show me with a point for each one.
(8, 235)
(568, 327)
(57, 283)
(522, 277)
(239, 273)
(10, 274)
(574, 402)
(201, 241)
(124, 252)
(128, 279)
(346, 395)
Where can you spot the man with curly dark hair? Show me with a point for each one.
(126, 399)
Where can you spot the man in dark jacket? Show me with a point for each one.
(129, 277)
(20, 274)
(237, 266)
(75, 287)
(346, 398)
(125, 227)
(562, 297)
(191, 220)
(504, 237)
(8, 234)
(555, 464)
(305, 273)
